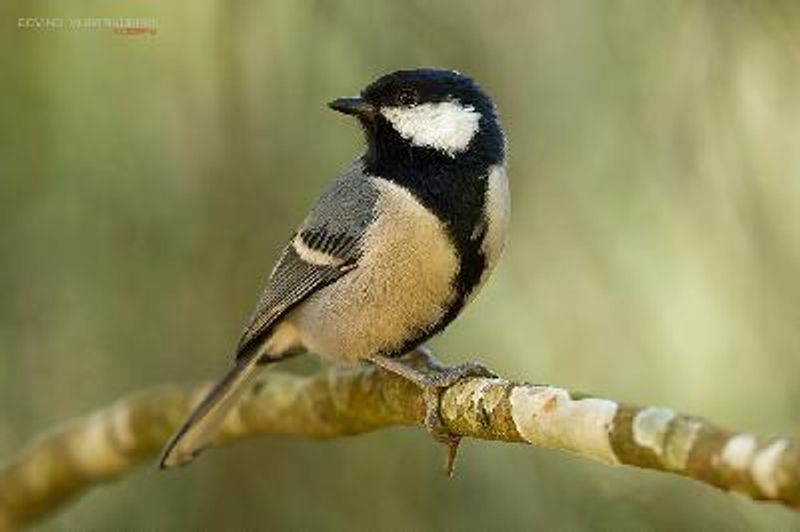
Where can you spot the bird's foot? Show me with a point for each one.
(434, 381)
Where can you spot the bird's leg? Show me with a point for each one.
(433, 382)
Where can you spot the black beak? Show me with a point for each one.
(354, 105)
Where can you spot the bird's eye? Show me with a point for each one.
(407, 97)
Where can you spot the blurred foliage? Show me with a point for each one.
(147, 183)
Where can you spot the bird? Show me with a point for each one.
(393, 250)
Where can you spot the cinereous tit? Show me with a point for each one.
(391, 253)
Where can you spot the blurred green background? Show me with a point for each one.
(147, 183)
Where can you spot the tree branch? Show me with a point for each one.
(337, 402)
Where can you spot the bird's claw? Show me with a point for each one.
(433, 387)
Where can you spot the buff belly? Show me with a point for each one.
(402, 284)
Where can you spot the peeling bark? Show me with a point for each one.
(101, 447)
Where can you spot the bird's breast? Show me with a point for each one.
(497, 210)
(402, 286)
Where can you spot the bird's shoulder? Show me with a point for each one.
(326, 246)
(345, 209)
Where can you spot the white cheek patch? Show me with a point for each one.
(444, 126)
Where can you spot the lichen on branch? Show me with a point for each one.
(61, 464)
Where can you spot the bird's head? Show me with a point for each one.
(414, 113)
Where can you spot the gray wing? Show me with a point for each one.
(326, 247)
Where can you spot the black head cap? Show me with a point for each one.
(425, 85)
(406, 89)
